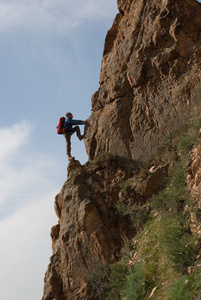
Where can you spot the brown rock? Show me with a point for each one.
(149, 70)
(153, 183)
(89, 233)
(55, 232)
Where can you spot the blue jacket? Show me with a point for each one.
(68, 124)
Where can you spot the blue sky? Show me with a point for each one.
(50, 60)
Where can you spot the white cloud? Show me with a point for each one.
(51, 16)
(24, 175)
(12, 138)
(25, 250)
(28, 185)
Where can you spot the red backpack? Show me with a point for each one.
(60, 125)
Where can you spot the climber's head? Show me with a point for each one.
(69, 115)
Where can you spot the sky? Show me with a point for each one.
(50, 60)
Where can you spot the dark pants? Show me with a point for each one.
(68, 134)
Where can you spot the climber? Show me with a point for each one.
(69, 130)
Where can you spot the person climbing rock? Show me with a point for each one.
(70, 130)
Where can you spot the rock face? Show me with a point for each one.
(150, 67)
(89, 233)
(93, 222)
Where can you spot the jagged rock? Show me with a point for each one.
(89, 233)
(154, 182)
(55, 232)
(91, 230)
(149, 70)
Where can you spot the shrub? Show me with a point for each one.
(180, 244)
(189, 135)
(123, 282)
(97, 282)
(138, 215)
(117, 281)
(103, 160)
(173, 197)
(125, 185)
(135, 286)
(122, 208)
(178, 291)
(187, 287)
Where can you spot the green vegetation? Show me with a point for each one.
(174, 196)
(125, 185)
(166, 247)
(137, 215)
(97, 282)
(103, 160)
(178, 290)
(180, 244)
(187, 287)
(117, 280)
(164, 263)
(135, 286)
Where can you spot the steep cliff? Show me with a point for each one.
(114, 212)
(150, 65)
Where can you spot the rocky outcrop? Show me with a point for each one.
(93, 224)
(150, 66)
(89, 233)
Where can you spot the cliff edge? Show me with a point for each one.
(141, 182)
